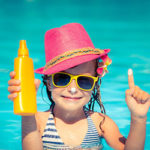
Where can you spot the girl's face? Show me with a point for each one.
(64, 98)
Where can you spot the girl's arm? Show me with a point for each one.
(112, 134)
(138, 102)
(31, 138)
(136, 137)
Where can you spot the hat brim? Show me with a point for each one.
(69, 63)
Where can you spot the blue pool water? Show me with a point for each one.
(122, 26)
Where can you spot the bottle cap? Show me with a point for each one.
(23, 50)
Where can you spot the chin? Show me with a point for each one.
(72, 106)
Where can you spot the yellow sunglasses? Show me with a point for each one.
(84, 82)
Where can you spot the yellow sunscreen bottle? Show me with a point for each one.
(25, 102)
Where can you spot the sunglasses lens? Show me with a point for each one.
(61, 79)
(85, 82)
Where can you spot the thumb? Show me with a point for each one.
(37, 84)
(129, 92)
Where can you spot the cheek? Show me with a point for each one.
(89, 93)
(87, 96)
(56, 92)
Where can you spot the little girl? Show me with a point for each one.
(72, 76)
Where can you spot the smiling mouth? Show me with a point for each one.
(71, 98)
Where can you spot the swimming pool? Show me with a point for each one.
(124, 27)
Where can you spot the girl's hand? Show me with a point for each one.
(138, 101)
(14, 86)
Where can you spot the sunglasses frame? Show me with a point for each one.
(75, 77)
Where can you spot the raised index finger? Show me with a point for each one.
(130, 79)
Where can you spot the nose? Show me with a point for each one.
(72, 88)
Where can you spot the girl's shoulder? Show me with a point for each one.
(98, 117)
(42, 114)
(110, 130)
(101, 121)
(41, 120)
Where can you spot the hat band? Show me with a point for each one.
(71, 54)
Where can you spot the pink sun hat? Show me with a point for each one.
(68, 46)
